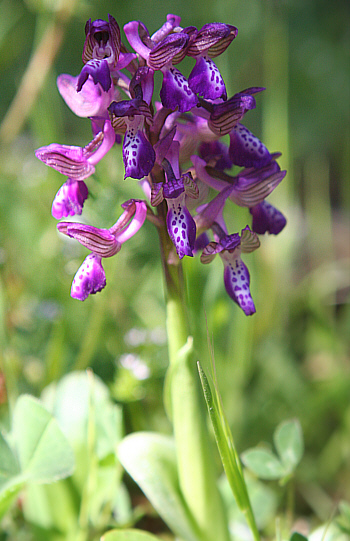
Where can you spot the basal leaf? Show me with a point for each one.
(43, 451)
(150, 460)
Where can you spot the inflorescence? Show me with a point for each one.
(171, 146)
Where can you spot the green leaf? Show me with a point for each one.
(264, 464)
(150, 460)
(43, 451)
(288, 439)
(8, 494)
(297, 537)
(8, 463)
(128, 535)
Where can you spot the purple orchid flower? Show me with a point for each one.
(162, 56)
(69, 199)
(138, 153)
(236, 274)
(180, 224)
(211, 40)
(267, 219)
(78, 163)
(90, 277)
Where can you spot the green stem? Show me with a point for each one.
(184, 400)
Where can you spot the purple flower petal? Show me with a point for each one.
(175, 91)
(138, 153)
(99, 241)
(181, 226)
(171, 49)
(213, 38)
(68, 160)
(267, 219)
(237, 280)
(206, 80)
(245, 148)
(90, 101)
(69, 199)
(99, 71)
(89, 279)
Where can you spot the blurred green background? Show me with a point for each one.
(291, 359)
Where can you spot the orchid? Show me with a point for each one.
(172, 146)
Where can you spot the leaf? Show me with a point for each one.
(72, 401)
(297, 537)
(288, 439)
(43, 451)
(150, 460)
(128, 535)
(8, 494)
(264, 464)
(8, 463)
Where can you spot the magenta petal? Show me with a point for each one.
(90, 101)
(89, 279)
(176, 92)
(206, 80)
(237, 280)
(245, 148)
(69, 199)
(181, 226)
(138, 154)
(68, 160)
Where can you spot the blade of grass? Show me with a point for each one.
(229, 456)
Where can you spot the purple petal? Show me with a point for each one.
(206, 80)
(99, 71)
(89, 279)
(213, 38)
(175, 91)
(171, 22)
(237, 280)
(69, 199)
(90, 101)
(99, 241)
(181, 226)
(68, 160)
(246, 149)
(171, 49)
(131, 30)
(267, 219)
(138, 153)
